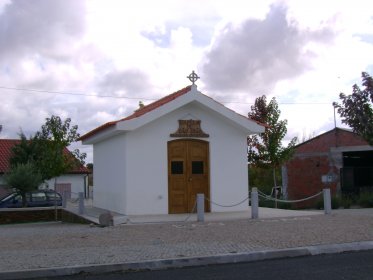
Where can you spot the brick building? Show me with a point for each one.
(342, 158)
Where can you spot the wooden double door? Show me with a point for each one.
(188, 174)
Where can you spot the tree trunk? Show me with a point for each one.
(275, 185)
(55, 199)
(24, 201)
(274, 177)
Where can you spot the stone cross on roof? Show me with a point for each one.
(193, 77)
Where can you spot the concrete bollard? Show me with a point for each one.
(327, 201)
(254, 204)
(81, 203)
(200, 207)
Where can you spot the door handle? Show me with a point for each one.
(190, 179)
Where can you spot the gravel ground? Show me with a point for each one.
(31, 246)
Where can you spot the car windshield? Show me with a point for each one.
(8, 197)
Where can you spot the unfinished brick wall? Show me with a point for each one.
(311, 161)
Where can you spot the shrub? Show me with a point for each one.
(271, 204)
(366, 199)
(336, 202)
(347, 201)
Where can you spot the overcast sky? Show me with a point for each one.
(93, 61)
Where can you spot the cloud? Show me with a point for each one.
(126, 82)
(256, 54)
(40, 27)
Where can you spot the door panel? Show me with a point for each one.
(188, 174)
(177, 178)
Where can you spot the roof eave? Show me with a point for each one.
(101, 135)
(244, 123)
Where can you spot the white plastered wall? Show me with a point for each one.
(146, 162)
(76, 181)
(109, 191)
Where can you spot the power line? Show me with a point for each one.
(74, 93)
(282, 103)
(149, 99)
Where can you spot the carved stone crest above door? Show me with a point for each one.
(189, 128)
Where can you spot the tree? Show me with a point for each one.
(55, 136)
(265, 150)
(356, 109)
(24, 178)
(24, 152)
(47, 150)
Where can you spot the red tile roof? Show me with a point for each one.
(6, 153)
(148, 108)
(142, 111)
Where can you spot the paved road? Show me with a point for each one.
(358, 265)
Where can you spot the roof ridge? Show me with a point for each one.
(141, 111)
(154, 105)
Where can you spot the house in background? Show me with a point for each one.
(338, 159)
(74, 181)
(156, 160)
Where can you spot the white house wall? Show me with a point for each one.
(76, 181)
(228, 173)
(109, 191)
(146, 166)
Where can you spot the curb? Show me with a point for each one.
(189, 261)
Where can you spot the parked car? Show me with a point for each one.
(39, 198)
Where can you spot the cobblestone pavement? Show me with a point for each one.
(47, 245)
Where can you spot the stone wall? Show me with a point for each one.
(32, 215)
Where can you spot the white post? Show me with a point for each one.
(64, 199)
(327, 201)
(200, 207)
(81, 203)
(254, 204)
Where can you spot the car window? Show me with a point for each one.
(28, 197)
(8, 197)
(38, 196)
(53, 196)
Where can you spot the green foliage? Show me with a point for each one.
(24, 178)
(261, 178)
(271, 204)
(24, 152)
(335, 201)
(47, 149)
(90, 166)
(366, 199)
(54, 137)
(347, 202)
(266, 150)
(356, 109)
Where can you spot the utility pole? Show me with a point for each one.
(335, 121)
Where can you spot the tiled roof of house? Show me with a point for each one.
(6, 153)
(142, 111)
